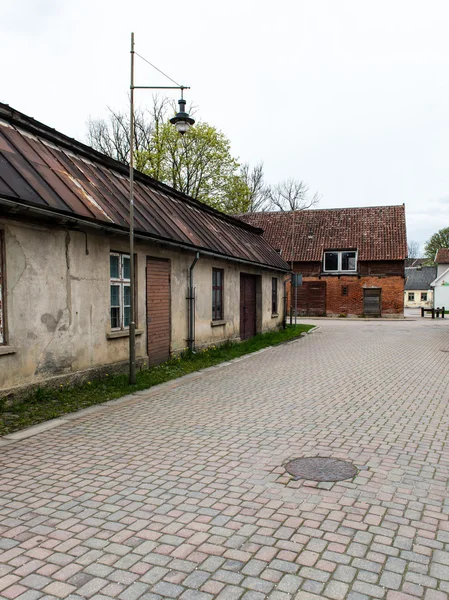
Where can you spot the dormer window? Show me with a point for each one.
(340, 261)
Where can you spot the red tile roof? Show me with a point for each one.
(377, 232)
(442, 256)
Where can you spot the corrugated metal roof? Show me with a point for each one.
(43, 168)
(377, 232)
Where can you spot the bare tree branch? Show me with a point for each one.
(291, 195)
(413, 249)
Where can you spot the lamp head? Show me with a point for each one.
(182, 121)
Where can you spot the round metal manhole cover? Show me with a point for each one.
(321, 469)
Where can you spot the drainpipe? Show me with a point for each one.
(191, 299)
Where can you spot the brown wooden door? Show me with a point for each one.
(311, 299)
(247, 306)
(372, 301)
(158, 310)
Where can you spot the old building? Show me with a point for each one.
(65, 262)
(418, 291)
(351, 259)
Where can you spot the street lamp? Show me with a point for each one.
(182, 121)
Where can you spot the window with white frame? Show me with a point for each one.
(340, 261)
(120, 267)
(423, 296)
(411, 296)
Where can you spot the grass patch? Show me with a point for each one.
(44, 404)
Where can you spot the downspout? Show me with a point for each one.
(191, 299)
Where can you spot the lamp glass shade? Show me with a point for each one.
(182, 126)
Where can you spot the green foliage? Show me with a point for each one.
(46, 403)
(198, 163)
(438, 240)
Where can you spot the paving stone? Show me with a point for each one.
(390, 580)
(191, 500)
(168, 590)
(289, 584)
(336, 590)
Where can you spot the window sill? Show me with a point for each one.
(7, 350)
(339, 273)
(122, 333)
(275, 315)
(218, 323)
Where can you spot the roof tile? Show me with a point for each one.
(377, 232)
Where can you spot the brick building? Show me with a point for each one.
(351, 259)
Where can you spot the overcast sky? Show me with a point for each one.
(351, 96)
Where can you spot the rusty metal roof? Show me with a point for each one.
(40, 167)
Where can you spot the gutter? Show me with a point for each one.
(125, 231)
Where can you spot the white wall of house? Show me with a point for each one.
(441, 289)
(414, 298)
(57, 309)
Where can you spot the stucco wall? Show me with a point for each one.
(58, 300)
(418, 302)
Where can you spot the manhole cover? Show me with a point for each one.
(321, 469)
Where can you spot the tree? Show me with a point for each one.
(258, 192)
(438, 240)
(413, 249)
(199, 163)
(291, 195)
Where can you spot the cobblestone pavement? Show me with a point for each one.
(181, 492)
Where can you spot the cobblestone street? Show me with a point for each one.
(180, 492)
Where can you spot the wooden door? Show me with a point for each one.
(311, 299)
(372, 301)
(247, 306)
(158, 310)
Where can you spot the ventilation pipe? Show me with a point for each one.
(191, 300)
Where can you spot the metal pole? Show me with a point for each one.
(132, 317)
(296, 300)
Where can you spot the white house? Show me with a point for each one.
(440, 285)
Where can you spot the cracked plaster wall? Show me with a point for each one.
(58, 301)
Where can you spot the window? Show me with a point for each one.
(274, 296)
(217, 294)
(341, 260)
(411, 296)
(344, 290)
(423, 296)
(120, 267)
(2, 293)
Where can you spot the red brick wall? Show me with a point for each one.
(352, 304)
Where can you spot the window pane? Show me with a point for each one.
(115, 295)
(331, 261)
(126, 267)
(348, 261)
(126, 295)
(126, 313)
(114, 266)
(424, 297)
(115, 317)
